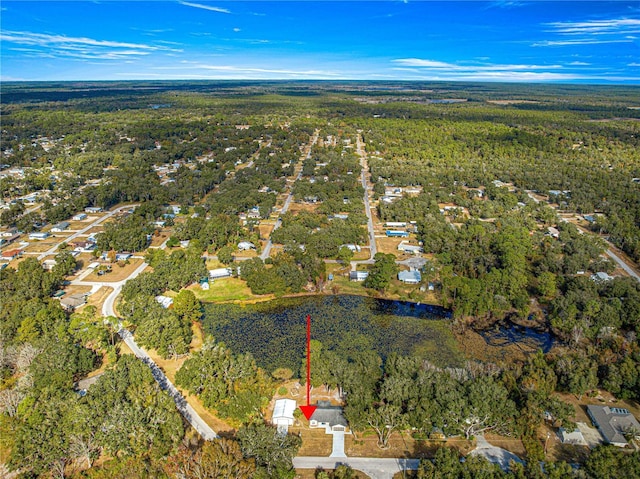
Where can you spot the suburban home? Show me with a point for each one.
(60, 227)
(328, 417)
(396, 234)
(164, 301)
(93, 209)
(395, 224)
(9, 232)
(410, 248)
(358, 275)
(553, 232)
(38, 236)
(353, 247)
(219, 273)
(601, 277)
(614, 423)
(282, 416)
(246, 245)
(410, 277)
(123, 256)
(11, 254)
(48, 264)
(340, 216)
(73, 301)
(83, 246)
(79, 217)
(589, 218)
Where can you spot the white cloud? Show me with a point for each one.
(252, 71)
(584, 41)
(634, 64)
(598, 27)
(58, 46)
(236, 30)
(578, 64)
(423, 69)
(498, 76)
(205, 7)
(438, 65)
(591, 32)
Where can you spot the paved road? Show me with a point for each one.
(611, 253)
(54, 249)
(287, 202)
(623, 265)
(367, 207)
(375, 468)
(183, 406)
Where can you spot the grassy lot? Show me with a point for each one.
(157, 240)
(226, 290)
(118, 273)
(97, 298)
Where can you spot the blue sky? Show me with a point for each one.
(528, 41)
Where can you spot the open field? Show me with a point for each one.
(227, 290)
(96, 299)
(118, 272)
(157, 240)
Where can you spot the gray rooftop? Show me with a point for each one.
(613, 423)
(326, 413)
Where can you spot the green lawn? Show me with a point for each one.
(226, 289)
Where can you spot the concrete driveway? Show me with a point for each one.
(338, 444)
(591, 435)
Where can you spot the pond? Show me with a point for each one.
(274, 332)
(528, 339)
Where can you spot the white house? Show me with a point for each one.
(60, 227)
(409, 248)
(79, 217)
(601, 277)
(38, 236)
(358, 275)
(164, 301)
(410, 277)
(48, 264)
(246, 245)
(219, 273)
(353, 247)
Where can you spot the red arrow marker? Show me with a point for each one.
(308, 410)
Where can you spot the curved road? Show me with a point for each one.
(183, 406)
